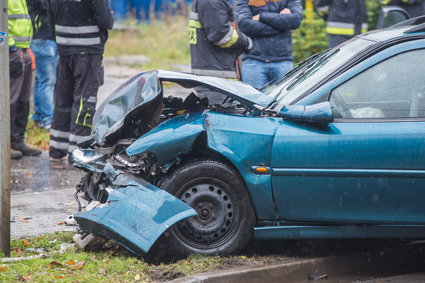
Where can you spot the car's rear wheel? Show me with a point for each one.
(225, 220)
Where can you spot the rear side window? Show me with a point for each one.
(393, 89)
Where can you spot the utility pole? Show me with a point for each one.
(4, 132)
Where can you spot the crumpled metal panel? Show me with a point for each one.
(238, 90)
(141, 98)
(136, 215)
(141, 90)
(171, 138)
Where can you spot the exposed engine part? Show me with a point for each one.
(138, 164)
(87, 241)
(70, 221)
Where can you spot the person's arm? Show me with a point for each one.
(287, 19)
(103, 14)
(249, 26)
(215, 21)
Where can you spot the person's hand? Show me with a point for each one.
(285, 11)
(256, 18)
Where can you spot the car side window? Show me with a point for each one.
(394, 88)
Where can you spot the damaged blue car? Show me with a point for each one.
(334, 149)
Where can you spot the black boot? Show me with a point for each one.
(15, 154)
(27, 150)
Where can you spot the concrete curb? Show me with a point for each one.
(348, 268)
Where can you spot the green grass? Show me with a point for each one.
(36, 136)
(164, 42)
(111, 265)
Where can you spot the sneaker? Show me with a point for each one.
(15, 154)
(58, 159)
(42, 125)
(27, 150)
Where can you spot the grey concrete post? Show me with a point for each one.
(4, 132)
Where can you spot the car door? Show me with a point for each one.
(368, 166)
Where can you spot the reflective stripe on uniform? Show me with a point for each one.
(76, 138)
(215, 73)
(195, 24)
(19, 17)
(364, 27)
(340, 28)
(76, 30)
(59, 145)
(194, 16)
(226, 38)
(232, 40)
(71, 148)
(59, 134)
(77, 41)
(22, 38)
(86, 116)
(322, 10)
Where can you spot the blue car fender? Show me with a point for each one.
(171, 138)
(136, 213)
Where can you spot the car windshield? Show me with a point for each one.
(311, 71)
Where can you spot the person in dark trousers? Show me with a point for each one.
(215, 42)
(20, 66)
(344, 18)
(414, 8)
(81, 32)
(269, 23)
(45, 50)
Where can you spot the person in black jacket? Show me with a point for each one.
(80, 33)
(45, 50)
(215, 42)
(344, 18)
(414, 8)
(269, 24)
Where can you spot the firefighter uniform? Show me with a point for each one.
(215, 42)
(80, 32)
(344, 18)
(21, 73)
(415, 8)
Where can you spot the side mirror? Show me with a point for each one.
(316, 113)
(391, 15)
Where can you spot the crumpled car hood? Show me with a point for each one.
(143, 94)
(238, 90)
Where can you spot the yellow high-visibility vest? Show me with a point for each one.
(19, 24)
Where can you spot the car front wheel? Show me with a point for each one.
(225, 220)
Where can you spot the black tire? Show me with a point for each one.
(225, 221)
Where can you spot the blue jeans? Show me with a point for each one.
(258, 73)
(46, 55)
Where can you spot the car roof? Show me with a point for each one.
(415, 26)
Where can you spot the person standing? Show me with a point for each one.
(414, 8)
(45, 51)
(344, 18)
(20, 65)
(215, 42)
(81, 30)
(269, 24)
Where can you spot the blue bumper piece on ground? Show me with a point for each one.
(136, 214)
